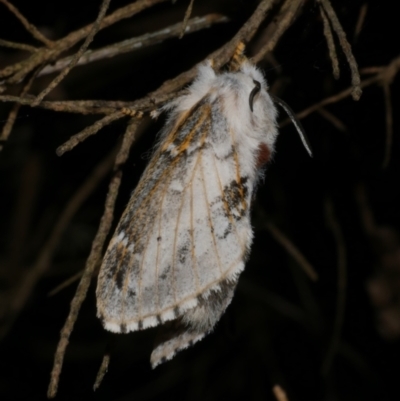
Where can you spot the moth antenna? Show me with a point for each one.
(238, 57)
(295, 122)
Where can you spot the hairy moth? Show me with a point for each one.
(183, 239)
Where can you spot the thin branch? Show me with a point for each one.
(338, 124)
(44, 259)
(279, 393)
(292, 250)
(77, 56)
(12, 116)
(93, 259)
(366, 214)
(184, 24)
(19, 46)
(80, 295)
(44, 55)
(355, 75)
(102, 371)
(28, 26)
(360, 21)
(140, 42)
(88, 131)
(389, 124)
(342, 284)
(331, 44)
(284, 20)
(66, 283)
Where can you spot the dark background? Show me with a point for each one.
(280, 324)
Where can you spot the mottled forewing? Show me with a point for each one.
(185, 229)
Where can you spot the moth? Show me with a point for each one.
(183, 239)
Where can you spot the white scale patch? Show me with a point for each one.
(181, 243)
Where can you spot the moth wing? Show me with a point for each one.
(185, 230)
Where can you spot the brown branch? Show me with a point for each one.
(88, 131)
(279, 393)
(292, 250)
(28, 26)
(93, 259)
(389, 124)
(355, 75)
(12, 116)
(19, 70)
(80, 295)
(19, 46)
(332, 119)
(284, 20)
(44, 259)
(140, 42)
(342, 284)
(331, 44)
(102, 371)
(360, 21)
(186, 19)
(66, 283)
(77, 55)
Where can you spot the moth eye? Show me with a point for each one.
(253, 93)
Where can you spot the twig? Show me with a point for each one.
(355, 76)
(102, 371)
(332, 119)
(28, 26)
(389, 124)
(292, 250)
(19, 46)
(360, 21)
(140, 42)
(342, 283)
(80, 295)
(93, 259)
(66, 283)
(331, 44)
(279, 393)
(88, 131)
(284, 20)
(8, 126)
(77, 56)
(43, 55)
(186, 19)
(329, 100)
(364, 207)
(43, 261)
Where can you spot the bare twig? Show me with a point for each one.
(19, 46)
(332, 119)
(129, 45)
(284, 20)
(360, 21)
(279, 393)
(355, 75)
(80, 295)
(8, 126)
(18, 71)
(102, 371)
(66, 283)
(43, 261)
(389, 124)
(28, 26)
(88, 131)
(77, 56)
(331, 44)
(292, 250)
(364, 207)
(184, 24)
(342, 283)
